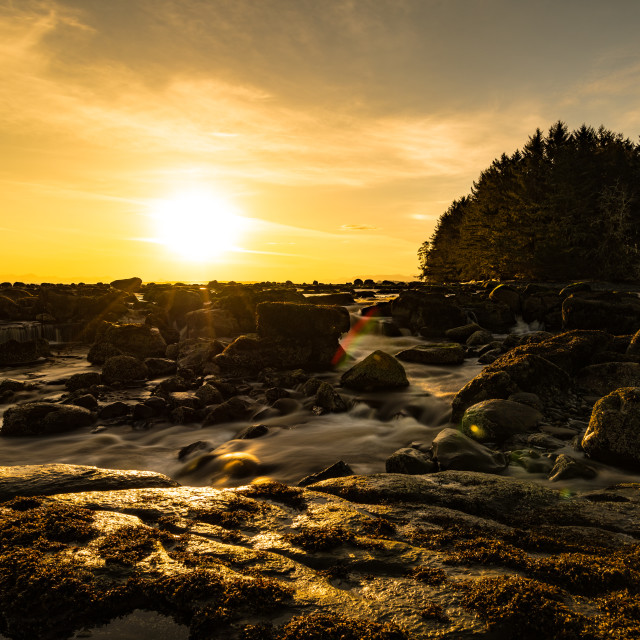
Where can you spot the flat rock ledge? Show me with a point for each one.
(384, 557)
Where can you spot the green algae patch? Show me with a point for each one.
(128, 545)
(277, 492)
(319, 626)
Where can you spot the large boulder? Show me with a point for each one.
(44, 418)
(341, 299)
(179, 302)
(301, 322)
(377, 371)
(494, 316)
(615, 313)
(13, 352)
(137, 340)
(485, 386)
(454, 450)
(211, 323)
(198, 354)
(435, 353)
(601, 379)
(506, 294)
(429, 313)
(496, 420)
(613, 435)
(130, 285)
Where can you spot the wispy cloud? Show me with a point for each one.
(357, 227)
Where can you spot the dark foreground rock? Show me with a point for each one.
(449, 555)
(43, 418)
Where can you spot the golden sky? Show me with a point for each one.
(334, 131)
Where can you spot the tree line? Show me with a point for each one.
(565, 206)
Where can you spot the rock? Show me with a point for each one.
(389, 329)
(137, 340)
(13, 352)
(184, 415)
(602, 379)
(410, 461)
(336, 470)
(486, 385)
(272, 394)
(301, 322)
(496, 420)
(432, 314)
(479, 338)
(211, 323)
(576, 287)
(493, 316)
(378, 310)
(229, 411)
(376, 372)
(613, 434)
(328, 399)
(123, 369)
(208, 394)
(543, 307)
(198, 354)
(142, 411)
(83, 380)
(615, 313)
(453, 450)
(113, 410)
(567, 467)
(434, 353)
(87, 401)
(252, 431)
(51, 479)
(9, 384)
(341, 299)
(179, 302)
(634, 345)
(530, 399)
(462, 334)
(160, 367)
(532, 461)
(194, 447)
(505, 294)
(44, 418)
(9, 309)
(131, 285)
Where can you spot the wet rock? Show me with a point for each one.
(301, 322)
(634, 346)
(53, 479)
(198, 354)
(496, 420)
(13, 352)
(575, 287)
(83, 380)
(179, 302)
(87, 401)
(342, 299)
(131, 285)
(409, 461)
(544, 441)
(253, 431)
(617, 314)
(327, 399)
(532, 461)
(493, 316)
(209, 394)
(543, 307)
(184, 415)
(272, 394)
(160, 367)
(137, 340)
(11, 385)
(462, 334)
(378, 310)
(567, 467)
(453, 450)
(235, 408)
(184, 399)
(435, 353)
(311, 386)
(432, 314)
(123, 369)
(113, 410)
(602, 379)
(44, 418)
(530, 399)
(336, 470)
(613, 435)
(211, 323)
(377, 371)
(486, 385)
(194, 447)
(390, 329)
(506, 294)
(142, 411)
(479, 338)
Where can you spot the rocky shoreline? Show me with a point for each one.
(440, 546)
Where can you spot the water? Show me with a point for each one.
(298, 444)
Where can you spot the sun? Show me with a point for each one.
(198, 225)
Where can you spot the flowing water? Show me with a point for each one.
(297, 444)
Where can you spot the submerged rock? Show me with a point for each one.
(377, 371)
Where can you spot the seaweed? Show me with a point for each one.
(291, 496)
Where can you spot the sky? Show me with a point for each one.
(279, 139)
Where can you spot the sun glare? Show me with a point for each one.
(197, 225)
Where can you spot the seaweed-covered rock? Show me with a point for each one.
(198, 354)
(434, 353)
(13, 352)
(496, 420)
(160, 367)
(137, 340)
(485, 386)
(211, 323)
(613, 435)
(377, 371)
(44, 418)
(453, 450)
(123, 369)
(602, 379)
(83, 380)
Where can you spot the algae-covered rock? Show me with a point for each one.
(137, 340)
(409, 460)
(496, 420)
(613, 435)
(377, 371)
(44, 418)
(435, 353)
(453, 450)
(602, 379)
(124, 369)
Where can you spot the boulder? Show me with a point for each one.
(209, 394)
(506, 294)
(301, 322)
(567, 467)
(496, 420)
(453, 450)
(378, 371)
(179, 302)
(341, 299)
(13, 352)
(613, 434)
(602, 379)
(211, 323)
(485, 386)
(462, 334)
(43, 419)
(410, 461)
(198, 354)
(83, 380)
(493, 316)
(137, 340)
(123, 369)
(160, 367)
(327, 399)
(612, 312)
(634, 346)
(338, 469)
(131, 285)
(117, 409)
(434, 353)
(432, 314)
(479, 338)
